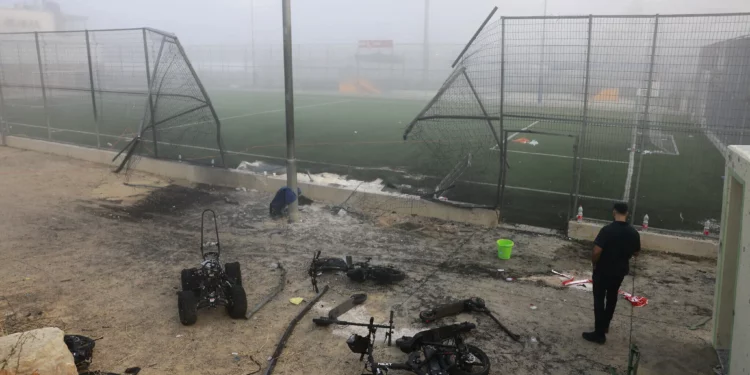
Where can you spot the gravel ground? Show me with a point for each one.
(100, 254)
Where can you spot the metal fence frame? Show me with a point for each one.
(166, 37)
(644, 122)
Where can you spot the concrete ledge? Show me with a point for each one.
(405, 205)
(653, 241)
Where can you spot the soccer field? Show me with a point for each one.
(362, 138)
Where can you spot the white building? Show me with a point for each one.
(731, 333)
(38, 16)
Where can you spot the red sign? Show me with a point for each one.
(376, 44)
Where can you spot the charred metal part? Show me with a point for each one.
(475, 304)
(451, 309)
(439, 351)
(325, 321)
(359, 271)
(354, 300)
(505, 329)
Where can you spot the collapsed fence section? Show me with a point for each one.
(129, 90)
(592, 110)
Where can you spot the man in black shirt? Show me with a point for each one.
(613, 248)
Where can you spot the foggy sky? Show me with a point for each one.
(346, 21)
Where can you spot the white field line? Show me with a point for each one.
(570, 157)
(259, 113)
(526, 128)
(631, 165)
(540, 190)
(497, 147)
(676, 150)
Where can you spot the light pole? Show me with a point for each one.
(425, 44)
(540, 89)
(291, 163)
(252, 40)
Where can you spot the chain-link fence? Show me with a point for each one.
(130, 90)
(591, 110)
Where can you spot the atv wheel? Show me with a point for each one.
(187, 304)
(233, 272)
(237, 307)
(189, 279)
(386, 275)
(473, 361)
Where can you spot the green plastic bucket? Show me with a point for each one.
(504, 248)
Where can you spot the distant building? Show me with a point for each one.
(42, 15)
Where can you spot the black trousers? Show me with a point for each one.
(606, 287)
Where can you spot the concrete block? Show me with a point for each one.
(404, 205)
(704, 248)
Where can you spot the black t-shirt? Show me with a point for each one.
(619, 241)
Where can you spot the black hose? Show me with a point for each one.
(282, 342)
(272, 295)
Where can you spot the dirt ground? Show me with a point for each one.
(83, 251)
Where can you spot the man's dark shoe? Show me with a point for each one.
(594, 337)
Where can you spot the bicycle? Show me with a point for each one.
(359, 272)
(438, 351)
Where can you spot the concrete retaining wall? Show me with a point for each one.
(405, 205)
(653, 241)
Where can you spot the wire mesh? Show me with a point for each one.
(323, 67)
(652, 100)
(103, 88)
(458, 128)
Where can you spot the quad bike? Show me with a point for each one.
(210, 285)
(438, 351)
(358, 272)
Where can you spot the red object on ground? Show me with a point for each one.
(634, 300)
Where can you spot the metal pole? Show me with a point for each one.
(572, 198)
(219, 141)
(474, 37)
(425, 44)
(481, 107)
(501, 145)
(540, 91)
(252, 40)
(646, 120)
(3, 122)
(245, 62)
(578, 171)
(291, 164)
(41, 80)
(456, 73)
(93, 92)
(150, 97)
(157, 95)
